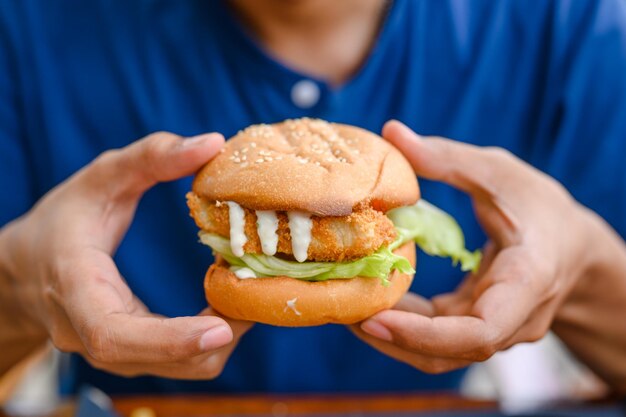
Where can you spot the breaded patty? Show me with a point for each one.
(343, 238)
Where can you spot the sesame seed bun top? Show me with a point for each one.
(309, 165)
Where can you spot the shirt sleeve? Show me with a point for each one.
(583, 142)
(16, 187)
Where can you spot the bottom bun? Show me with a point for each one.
(285, 301)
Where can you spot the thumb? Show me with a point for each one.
(467, 167)
(159, 157)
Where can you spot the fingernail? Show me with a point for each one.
(198, 140)
(374, 328)
(215, 337)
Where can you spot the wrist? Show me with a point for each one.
(16, 295)
(590, 242)
(597, 244)
(594, 259)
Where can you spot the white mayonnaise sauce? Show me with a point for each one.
(300, 225)
(291, 305)
(267, 226)
(237, 219)
(243, 273)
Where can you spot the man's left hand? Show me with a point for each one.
(535, 253)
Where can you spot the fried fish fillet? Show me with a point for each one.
(333, 239)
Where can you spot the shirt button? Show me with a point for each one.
(305, 94)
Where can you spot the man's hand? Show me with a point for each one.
(536, 252)
(62, 276)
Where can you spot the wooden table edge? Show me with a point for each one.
(294, 405)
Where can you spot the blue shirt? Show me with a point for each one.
(544, 79)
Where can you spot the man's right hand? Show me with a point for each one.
(57, 269)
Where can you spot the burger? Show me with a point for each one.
(312, 223)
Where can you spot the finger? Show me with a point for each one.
(158, 157)
(425, 363)
(495, 317)
(464, 166)
(452, 304)
(201, 367)
(415, 304)
(487, 174)
(121, 337)
(537, 325)
(460, 301)
(99, 306)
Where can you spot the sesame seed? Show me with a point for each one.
(317, 163)
(218, 204)
(237, 160)
(252, 144)
(258, 161)
(243, 165)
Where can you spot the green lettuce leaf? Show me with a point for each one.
(435, 232)
(377, 265)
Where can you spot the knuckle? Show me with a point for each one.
(554, 290)
(161, 135)
(437, 366)
(498, 153)
(155, 144)
(104, 162)
(539, 331)
(490, 345)
(213, 367)
(151, 150)
(100, 345)
(484, 352)
(535, 335)
(405, 341)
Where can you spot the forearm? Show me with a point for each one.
(19, 333)
(592, 321)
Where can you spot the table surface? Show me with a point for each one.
(184, 406)
(288, 405)
(374, 405)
